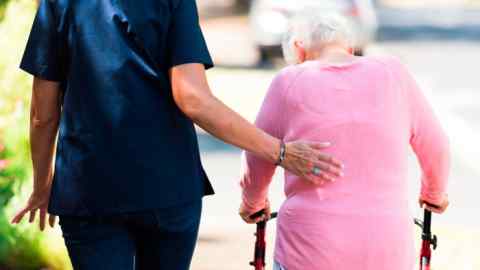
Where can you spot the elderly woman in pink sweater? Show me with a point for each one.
(371, 111)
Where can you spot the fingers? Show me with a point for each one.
(259, 219)
(315, 180)
(335, 171)
(322, 173)
(268, 211)
(324, 157)
(321, 178)
(51, 220)
(437, 209)
(319, 146)
(446, 206)
(259, 216)
(249, 220)
(306, 160)
(330, 160)
(32, 215)
(433, 209)
(19, 216)
(43, 217)
(440, 209)
(246, 216)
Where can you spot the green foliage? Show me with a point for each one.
(19, 246)
(22, 247)
(3, 4)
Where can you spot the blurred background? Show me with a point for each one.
(439, 40)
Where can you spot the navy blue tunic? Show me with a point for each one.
(124, 145)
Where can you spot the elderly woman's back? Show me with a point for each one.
(371, 110)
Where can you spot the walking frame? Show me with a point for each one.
(429, 240)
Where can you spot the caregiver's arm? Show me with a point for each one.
(193, 96)
(273, 118)
(258, 174)
(44, 121)
(431, 145)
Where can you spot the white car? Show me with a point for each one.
(269, 20)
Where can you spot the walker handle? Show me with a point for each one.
(261, 212)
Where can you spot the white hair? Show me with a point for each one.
(313, 28)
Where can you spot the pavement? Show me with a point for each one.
(445, 66)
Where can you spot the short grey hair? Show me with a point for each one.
(314, 28)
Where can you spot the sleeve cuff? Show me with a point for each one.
(42, 72)
(253, 208)
(255, 203)
(433, 198)
(207, 63)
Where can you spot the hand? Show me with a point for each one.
(247, 215)
(38, 202)
(435, 208)
(306, 160)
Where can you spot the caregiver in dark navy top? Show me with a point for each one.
(122, 82)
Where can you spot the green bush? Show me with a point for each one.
(19, 246)
(22, 246)
(3, 4)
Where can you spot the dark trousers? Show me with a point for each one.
(162, 239)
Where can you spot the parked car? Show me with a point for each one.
(269, 20)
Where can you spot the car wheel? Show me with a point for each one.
(264, 54)
(359, 52)
(243, 5)
(267, 54)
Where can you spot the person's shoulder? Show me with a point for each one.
(392, 64)
(59, 7)
(290, 72)
(390, 61)
(61, 4)
(284, 80)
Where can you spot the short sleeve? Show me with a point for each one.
(186, 42)
(45, 52)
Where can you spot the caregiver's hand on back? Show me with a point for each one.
(193, 96)
(307, 160)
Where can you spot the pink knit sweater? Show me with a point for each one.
(371, 111)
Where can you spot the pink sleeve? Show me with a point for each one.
(429, 142)
(258, 172)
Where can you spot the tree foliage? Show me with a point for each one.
(22, 247)
(3, 5)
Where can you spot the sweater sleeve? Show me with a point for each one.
(429, 142)
(258, 173)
